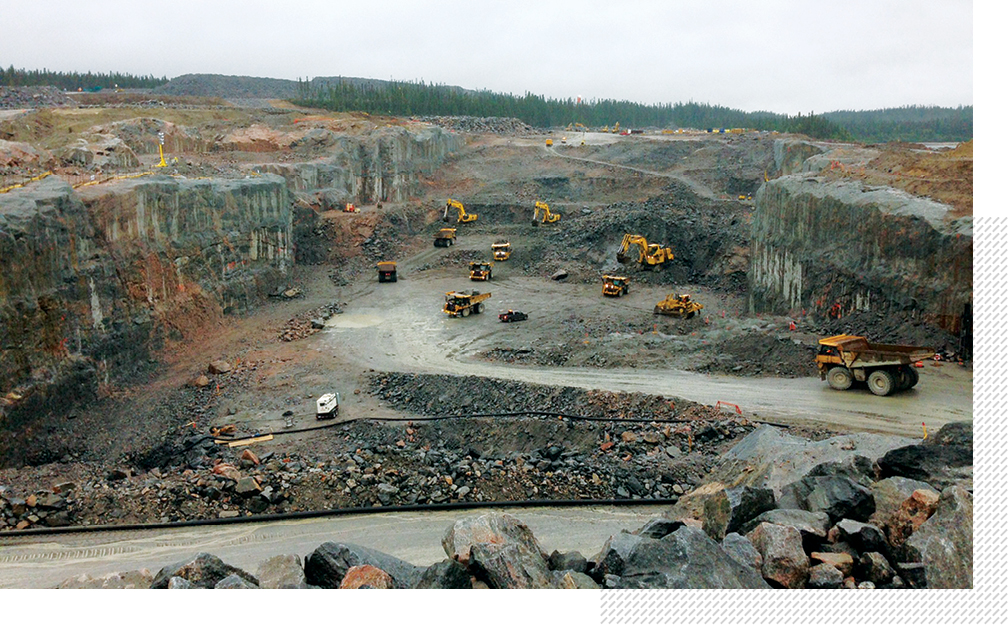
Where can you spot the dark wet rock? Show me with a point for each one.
(571, 561)
(784, 560)
(858, 468)
(824, 576)
(944, 543)
(943, 460)
(686, 558)
(283, 571)
(874, 567)
(837, 496)
(862, 536)
(740, 549)
(329, 563)
(203, 571)
(658, 527)
(727, 510)
(445, 574)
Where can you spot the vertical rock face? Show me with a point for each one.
(88, 278)
(383, 167)
(816, 244)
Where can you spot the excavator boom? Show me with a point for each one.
(463, 216)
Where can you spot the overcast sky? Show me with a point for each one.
(786, 56)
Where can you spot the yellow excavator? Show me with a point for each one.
(463, 216)
(676, 305)
(547, 216)
(650, 255)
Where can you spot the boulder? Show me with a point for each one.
(658, 527)
(784, 560)
(446, 574)
(944, 543)
(863, 537)
(329, 563)
(941, 461)
(284, 571)
(812, 525)
(235, 582)
(686, 558)
(572, 561)
(247, 486)
(180, 583)
(912, 513)
(839, 497)
(573, 580)
(510, 565)
(740, 549)
(889, 495)
(858, 468)
(824, 575)
(874, 567)
(366, 576)
(728, 509)
(203, 571)
(842, 562)
(492, 528)
(218, 366)
(612, 558)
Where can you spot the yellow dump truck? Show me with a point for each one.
(501, 250)
(615, 286)
(464, 303)
(445, 237)
(387, 271)
(844, 359)
(481, 270)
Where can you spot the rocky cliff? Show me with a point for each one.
(843, 246)
(92, 280)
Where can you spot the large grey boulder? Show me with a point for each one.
(203, 571)
(328, 565)
(944, 543)
(686, 558)
(494, 528)
(445, 574)
(730, 508)
(942, 460)
(813, 526)
(511, 565)
(740, 549)
(235, 582)
(784, 559)
(284, 571)
(838, 496)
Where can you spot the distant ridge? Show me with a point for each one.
(217, 85)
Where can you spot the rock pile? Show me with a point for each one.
(482, 125)
(309, 322)
(49, 508)
(33, 97)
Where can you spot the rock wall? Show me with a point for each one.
(385, 166)
(91, 280)
(820, 246)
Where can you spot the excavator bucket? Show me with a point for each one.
(622, 257)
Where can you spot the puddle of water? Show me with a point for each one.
(353, 321)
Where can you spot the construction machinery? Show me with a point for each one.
(615, 286)
(463, 216)
(327, 406)
(512, 315)
(464, 303)
(650, 255)
(501, 250)
(549, 143)
(445, 237)
(387, 271)
(676, 305)
(542, 214)
(844, 358)
(350, 208)
(481, 270)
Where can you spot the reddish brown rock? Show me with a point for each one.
(911, 515)
(366, 576)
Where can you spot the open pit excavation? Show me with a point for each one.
(166, 332)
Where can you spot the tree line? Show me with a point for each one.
(72, 81)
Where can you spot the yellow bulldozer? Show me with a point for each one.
(543, 215)
(463, 216)
(649, 255)
(676, 305)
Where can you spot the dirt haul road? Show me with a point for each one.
(400, 327)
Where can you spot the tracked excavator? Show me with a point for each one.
(463, 216)
(547, 217)
(650, 255)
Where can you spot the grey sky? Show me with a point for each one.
(786, 56)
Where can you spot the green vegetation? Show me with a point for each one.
(72, 81)
(417, 98)
(907, 123)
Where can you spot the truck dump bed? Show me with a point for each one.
(857, 352)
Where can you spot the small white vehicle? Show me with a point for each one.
(327, 406)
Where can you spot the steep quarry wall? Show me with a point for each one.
(842, 247)
(385, 166)
(90, 281)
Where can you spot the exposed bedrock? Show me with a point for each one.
(385, 166)
(820, 246)
(92, 280)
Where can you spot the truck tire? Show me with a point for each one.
(465, 312)
(914, 376)
(840, 378)
(881, 382)
(479, 308)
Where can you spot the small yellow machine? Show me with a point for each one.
(615, 286)
(501, 250)
(542, 215)
(463, 216)
(481, 270)
(678, 306)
